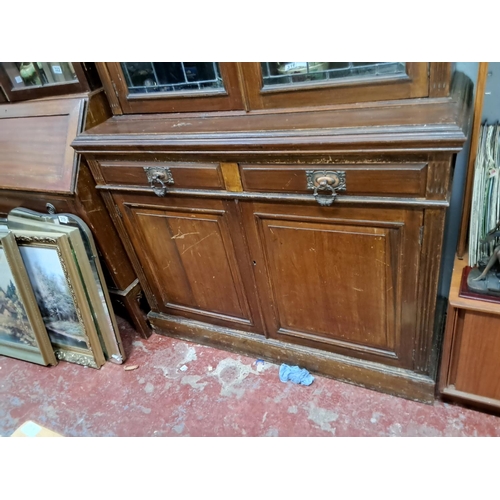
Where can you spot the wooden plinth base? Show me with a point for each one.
(390, 380)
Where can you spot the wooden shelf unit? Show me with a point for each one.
(470, 366)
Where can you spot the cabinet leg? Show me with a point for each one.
(134, 304)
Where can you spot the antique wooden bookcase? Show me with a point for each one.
(290, 211)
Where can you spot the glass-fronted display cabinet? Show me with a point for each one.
(30, 80)
(160, 87)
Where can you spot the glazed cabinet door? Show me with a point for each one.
(194, 258)
(339, 278)
(297, 84)
(166, 87)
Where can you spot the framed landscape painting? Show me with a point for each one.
(87, 260)
(22, 330)
(61, 297)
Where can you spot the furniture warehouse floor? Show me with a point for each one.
(184, 389)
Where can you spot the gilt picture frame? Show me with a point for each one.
(22, 331)
(87, 260)
(57, 284)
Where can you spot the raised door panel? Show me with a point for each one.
(341, 279)
(190, 259)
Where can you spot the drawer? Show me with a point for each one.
(382, 179)
(184, 175)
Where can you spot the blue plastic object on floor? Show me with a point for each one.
(295, 374)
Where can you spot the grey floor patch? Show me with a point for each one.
(140, 345)
(272, 433)
(230, 373)
(323, 418)
(193, 381)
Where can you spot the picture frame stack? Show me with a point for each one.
(54, 304)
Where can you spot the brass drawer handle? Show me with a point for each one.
(158, 178)
(327, 182)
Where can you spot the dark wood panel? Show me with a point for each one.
(477, 355)
(438, 177)
(185, 175)
(368, 179)
(321, 291)
(427, 340)
(117, 218)
(34, 201)
(107, 84)
(35, 143)
(440, 74)
(98, 109)
(91, 208)
(341, 279)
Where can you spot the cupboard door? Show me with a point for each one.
(341, 279)
(298, 84)
(193, 256)
(165, 87)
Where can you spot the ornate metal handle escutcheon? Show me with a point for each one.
(325, 184)
(158, 178)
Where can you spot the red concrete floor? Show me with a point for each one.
(185, 389)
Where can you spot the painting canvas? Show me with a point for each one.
(22, 333)
(14, 323)
(53, 296)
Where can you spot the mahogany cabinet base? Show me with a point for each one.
(382, 378)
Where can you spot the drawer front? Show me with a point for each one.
(404, 179)
(184, 175)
